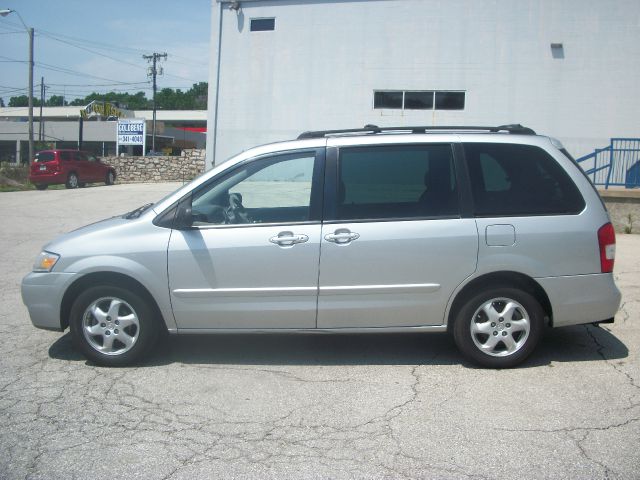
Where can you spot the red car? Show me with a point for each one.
(74, 168)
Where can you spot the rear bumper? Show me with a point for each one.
(582, 298)
(42, 294)
(48, 178)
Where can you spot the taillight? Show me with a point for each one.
(607, 243)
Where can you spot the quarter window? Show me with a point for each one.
(509, 179)
(409, 181)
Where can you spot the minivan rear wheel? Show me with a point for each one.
(72, 180)
(111, 326)
(499, 327)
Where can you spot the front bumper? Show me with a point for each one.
(42, 294)
(582, 299)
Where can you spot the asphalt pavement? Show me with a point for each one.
(304, 406)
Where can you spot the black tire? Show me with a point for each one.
(72, 181)
(41, 186)
(504, 332)
(110, 179)
(90, 335)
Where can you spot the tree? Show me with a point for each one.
(166, 99)
(193, 99)
(200, 92)
(1, 102)
(56, 101)
(128, 101)
(21, 101)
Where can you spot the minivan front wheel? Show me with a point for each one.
(112, 326)
(72, 181)
(499, 328)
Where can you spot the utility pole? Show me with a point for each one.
(31, 152)
(153, 72)
(43, 89)
(3, 13)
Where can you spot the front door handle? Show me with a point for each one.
(342, 236)
(287, 239)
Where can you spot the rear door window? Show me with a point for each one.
(396, 182)
(509, 179)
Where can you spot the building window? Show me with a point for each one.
(387, 99)
(418, 100)
(263, 24)
(449, 100)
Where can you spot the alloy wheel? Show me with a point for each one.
(500, 327)
(110, 325)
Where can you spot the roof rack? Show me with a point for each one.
(374, 129)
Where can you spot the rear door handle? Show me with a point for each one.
(287, 239)
(342, 236)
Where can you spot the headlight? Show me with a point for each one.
(45, 262)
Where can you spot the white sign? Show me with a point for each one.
(131, 132)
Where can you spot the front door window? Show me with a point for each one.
(271, 190)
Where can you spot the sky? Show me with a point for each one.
(82, 46)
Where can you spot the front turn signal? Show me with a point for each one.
(45, 262)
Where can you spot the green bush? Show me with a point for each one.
(19, 174)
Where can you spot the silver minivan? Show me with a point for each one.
(490, 233)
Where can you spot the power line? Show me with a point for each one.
(100, 45)
(80, 43)
(146, 82)
(55, 68)
(94, 52)
(13, 59)
(108, 46)
(74, 41)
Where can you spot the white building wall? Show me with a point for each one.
(319, 67)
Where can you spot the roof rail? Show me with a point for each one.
(374, 129)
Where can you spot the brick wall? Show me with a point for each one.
(188, 165)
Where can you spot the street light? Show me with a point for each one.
(4, 12)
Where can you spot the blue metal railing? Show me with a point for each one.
(615, 165)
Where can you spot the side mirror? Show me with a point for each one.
(178, 217)
(184, 217)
